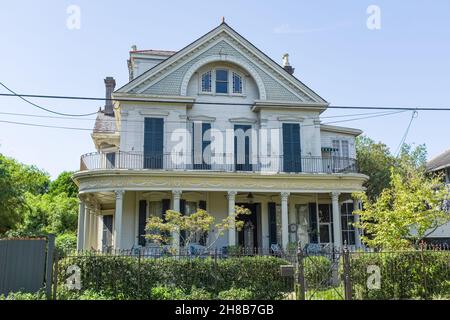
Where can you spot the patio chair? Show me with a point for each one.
(276, 249)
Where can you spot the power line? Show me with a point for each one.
(399, 148)
(212, 103)
(382, 113)
(135, 131)
(42, 108)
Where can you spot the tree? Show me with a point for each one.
(191, 226)
(406, 212)
(64, 183)
(10, 200)
(376, 161)
(26, 178)
(49, 214)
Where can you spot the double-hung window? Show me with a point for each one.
(221, 81)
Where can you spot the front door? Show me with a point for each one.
(248, 236)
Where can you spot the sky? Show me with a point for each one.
(404, 62)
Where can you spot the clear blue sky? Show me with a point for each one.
(405, 63)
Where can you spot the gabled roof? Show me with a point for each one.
(154, 52)
(164, 68)
(439, 162)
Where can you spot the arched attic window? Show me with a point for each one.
(222, 81)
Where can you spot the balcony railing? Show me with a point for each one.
(221, 163)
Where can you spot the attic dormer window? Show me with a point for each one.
(237, 83)
(206, 82)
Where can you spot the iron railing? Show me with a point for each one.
(217, 162)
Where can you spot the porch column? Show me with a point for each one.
(92, 228)
(357, 206)
(337, 230)
(118, 220)
(232, 229)
(284, 219)
(176, 196)
(86, 228)
(80, 230)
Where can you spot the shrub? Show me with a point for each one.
(24, 296)
(166, 293)
(236, 294)
(65, 243)
(404, 275)
(134, 279)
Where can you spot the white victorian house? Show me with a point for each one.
(214, 125)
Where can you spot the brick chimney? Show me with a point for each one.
(286, 65)
(110, 84)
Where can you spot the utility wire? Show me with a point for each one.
(42, 108)
(134, 131)
(211, 103)
(382, 113)
(399, 148)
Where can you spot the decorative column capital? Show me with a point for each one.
(231, 195)
(176, 193)
(284, 196)
(119, 194)
(335, 196)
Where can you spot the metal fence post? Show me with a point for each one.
(49, 265)
(300, 291)
(347, 278)
(139, 275)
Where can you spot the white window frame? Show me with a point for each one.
(230, 82)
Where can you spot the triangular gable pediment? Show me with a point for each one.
(170, 77)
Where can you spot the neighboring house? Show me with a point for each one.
(258, 129)
(441, 165)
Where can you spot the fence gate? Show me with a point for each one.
(319, 276)
(25, 264)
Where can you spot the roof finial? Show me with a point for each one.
(223, 19)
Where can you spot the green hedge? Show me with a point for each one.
(131, 278)
(404, 275)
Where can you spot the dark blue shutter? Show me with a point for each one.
(183, 212)
(272, 223)
(313, 223)
(204, 237)
(291, 148)
(165, 206)
(142, 222)
(242, 161)
(205, 140)
(202, 204)
(153, 143)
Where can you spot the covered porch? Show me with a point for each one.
(116, 219)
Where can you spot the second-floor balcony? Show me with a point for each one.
(217, 162)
